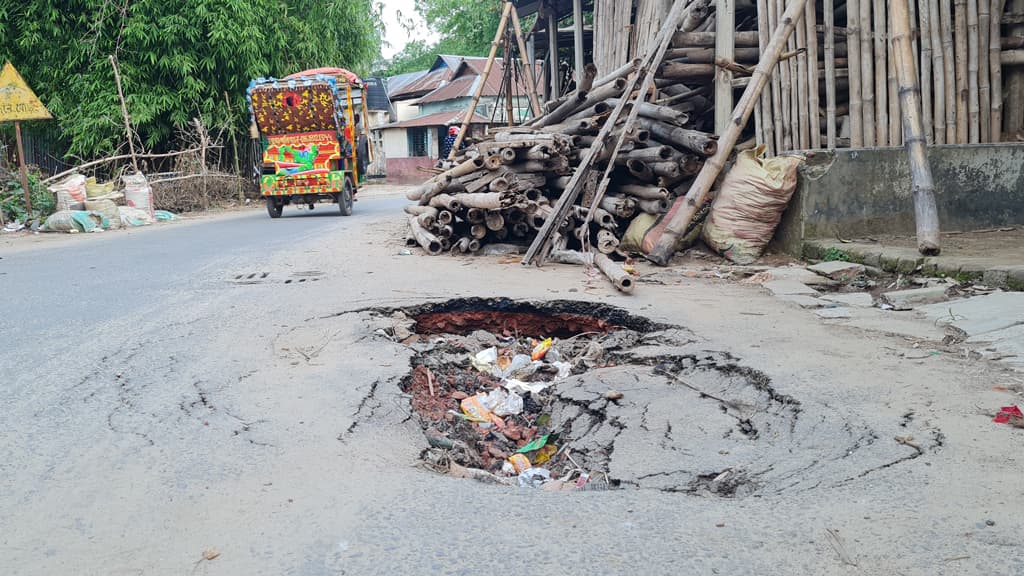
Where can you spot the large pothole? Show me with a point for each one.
(617, 401)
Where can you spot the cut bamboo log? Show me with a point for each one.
(494, 221)
(656, 112)
(895, 136)
(725, 47)
(475, 215)
(487, 201)
(698, 192)
(447, 202)
(949, 66)
(996, 72)
(973, 105)
(607, 243)
(855, 70)
(926, 213)
(928, 114)
(960, 57)
(867, 74)
(699, 142)
(779, 103)
(428, 241)
(444, 217)
(1013, 82)
(707, 39)
(644, 192)
(426, 191)
(619, 277)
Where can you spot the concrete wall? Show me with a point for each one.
(407, 170)
(850, 193)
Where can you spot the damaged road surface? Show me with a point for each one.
(179, 401)
(639, 405)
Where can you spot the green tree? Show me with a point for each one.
(177, 59)
(466, 28)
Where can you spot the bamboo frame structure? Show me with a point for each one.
(927, 218)
(778, 103)
(938, 73)
(766, 118)
(789, 136)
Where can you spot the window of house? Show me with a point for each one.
(417, 141)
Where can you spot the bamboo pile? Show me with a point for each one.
(503, 188)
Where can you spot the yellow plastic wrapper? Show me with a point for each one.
(520, 462)
(474, 409)
(545, 454)
(540, 350)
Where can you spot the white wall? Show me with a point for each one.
(396, 145)
(406, 111)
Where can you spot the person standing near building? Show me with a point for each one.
(449, 141)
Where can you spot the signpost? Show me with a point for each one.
(17, 103)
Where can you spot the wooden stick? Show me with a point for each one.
(867, 73)
(924, 21)
(802, 87)
(109, 159)
(531, 69)
(778, 104)
(22, 169)
(502, 24)
(949, 69)
(697, 195)
(960, 57)
(124, 113)
(996, 72)
(619, 277)
(881, 74)
(813, 101)
(928, 241)
(855, 68)
(428, 241)
(973, 105)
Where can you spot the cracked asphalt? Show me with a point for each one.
(215, 385)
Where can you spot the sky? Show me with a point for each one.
(394, 33)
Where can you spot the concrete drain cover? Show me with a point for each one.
(618, 401)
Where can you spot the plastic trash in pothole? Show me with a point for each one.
(569, 395)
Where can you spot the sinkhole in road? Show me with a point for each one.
(617, 401)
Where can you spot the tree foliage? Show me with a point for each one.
(177, 59)
(466, 28)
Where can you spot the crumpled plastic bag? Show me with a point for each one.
(513, 385)
(503, 403)
(485, 360)
(534, 477)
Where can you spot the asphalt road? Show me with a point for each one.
(215, 387)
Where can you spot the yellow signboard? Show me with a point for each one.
(17, 101)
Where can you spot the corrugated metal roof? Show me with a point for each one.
(396, 83)
(437, 119)
(466, 80)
